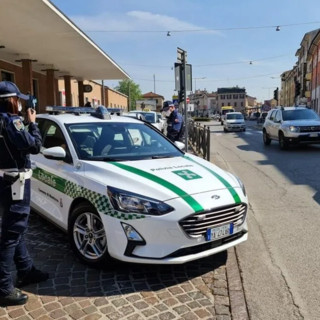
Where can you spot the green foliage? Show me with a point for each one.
(130, 89)
(201, 119)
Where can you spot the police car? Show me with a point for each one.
(123, 191)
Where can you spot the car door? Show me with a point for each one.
(50, 175)
(271, 125)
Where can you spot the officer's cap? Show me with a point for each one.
(167, 105)
(9, 89)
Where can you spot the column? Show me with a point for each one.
(27, 76)
(67, 88)
(81, 93)
(51, 88)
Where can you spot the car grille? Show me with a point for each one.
(309, 128)
(197, 224)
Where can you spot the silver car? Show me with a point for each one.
(291, 125)
(234, 121)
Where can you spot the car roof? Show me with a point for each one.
(69, 118)
(236, 112)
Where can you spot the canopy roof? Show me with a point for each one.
(37, 30)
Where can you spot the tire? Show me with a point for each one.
(266, 139)
(283, 143)
(88, 243)
(225, 130)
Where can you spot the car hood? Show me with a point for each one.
(163, 179)
(302, 123)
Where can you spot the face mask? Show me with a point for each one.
(168, 113)
(19, 106)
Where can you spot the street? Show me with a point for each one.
(279, 263)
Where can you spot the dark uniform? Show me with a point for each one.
(16, 143)
(174, 125)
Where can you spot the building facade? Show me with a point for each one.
(155, 97)
(234, 96)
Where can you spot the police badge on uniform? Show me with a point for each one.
(18, 124)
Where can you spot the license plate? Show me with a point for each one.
(313, 134)
(219, 232)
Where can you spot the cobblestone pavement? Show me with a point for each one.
(206, 289)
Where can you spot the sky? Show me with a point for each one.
(228, 42)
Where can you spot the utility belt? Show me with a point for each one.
(17, 180)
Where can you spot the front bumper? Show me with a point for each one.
(165, 240)
(230, 127)
(303, 138)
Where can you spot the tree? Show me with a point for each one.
(132, 90)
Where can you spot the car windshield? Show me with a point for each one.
(234, 116)
(299, 114)
(109, 141)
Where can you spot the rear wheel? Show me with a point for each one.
(266, 138)
(283, 143)
(87, 235)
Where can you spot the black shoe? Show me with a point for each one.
(15, 298)
(33, 276)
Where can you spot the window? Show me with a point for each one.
(277, 117)
(235, 104)
(235, 96)
(7, 76)
(222, 97)
(52, 136)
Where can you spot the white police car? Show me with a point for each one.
(122, 190)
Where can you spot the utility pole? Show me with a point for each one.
(182, 58)
(154, 83)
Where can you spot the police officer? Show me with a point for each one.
(16, 143)
(174, 120)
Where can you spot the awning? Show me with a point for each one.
(37, 30)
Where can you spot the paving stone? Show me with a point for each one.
(208, 289)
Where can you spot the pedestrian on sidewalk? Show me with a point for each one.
(16, 144)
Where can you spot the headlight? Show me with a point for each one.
(126, 201)
(241, 185)
(294, 129)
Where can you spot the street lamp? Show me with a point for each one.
(195, 82)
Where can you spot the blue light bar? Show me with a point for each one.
(101, 112)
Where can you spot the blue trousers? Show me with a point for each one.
(13, 248)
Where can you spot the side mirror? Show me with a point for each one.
(54, 153)
(180, 145)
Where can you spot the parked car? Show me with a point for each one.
(151, 117)
(291, 125)
(121, 190)
(234, 121)
(262, 117)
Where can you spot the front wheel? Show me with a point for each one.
(87, 235)
(266, 139)
(283, 143)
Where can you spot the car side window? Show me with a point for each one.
(272, 115)
(278, 117)
(52, 136)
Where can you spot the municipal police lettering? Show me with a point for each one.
(174, 120)
(16, 143)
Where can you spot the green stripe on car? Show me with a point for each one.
(186, 197)
(222, 180)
